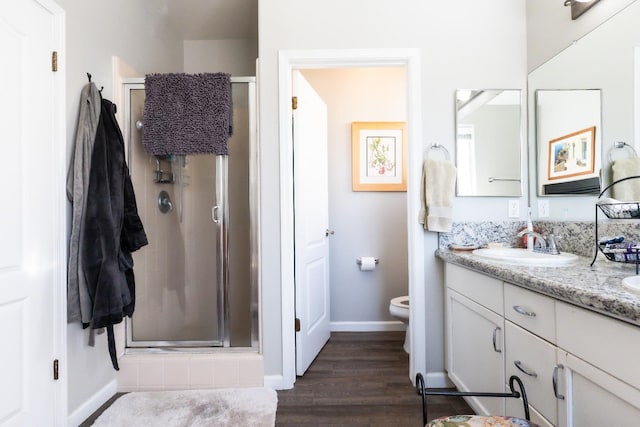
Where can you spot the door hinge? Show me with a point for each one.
(297, 324)
(55, 369)
(294, 103)
(54, 61)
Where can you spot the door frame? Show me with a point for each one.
(409, 59)
(59, 213)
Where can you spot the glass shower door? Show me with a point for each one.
(197, 280)
(180, 275)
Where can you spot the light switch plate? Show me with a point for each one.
(514, 208)
(543, 208)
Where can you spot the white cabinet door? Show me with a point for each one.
(475, 357)
(594, 398)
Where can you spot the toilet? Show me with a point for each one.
(399, 308)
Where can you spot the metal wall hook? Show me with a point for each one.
(437, 147)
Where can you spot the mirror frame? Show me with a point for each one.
(522, 138)
(580, 183)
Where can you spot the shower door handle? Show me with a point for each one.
(214, 214)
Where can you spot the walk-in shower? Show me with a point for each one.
(197, 280)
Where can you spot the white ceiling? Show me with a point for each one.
(213, 19)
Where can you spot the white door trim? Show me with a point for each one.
(59, 213)
(299, 59)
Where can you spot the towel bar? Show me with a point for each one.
(437, 146)
(492, 179)
(621, 145)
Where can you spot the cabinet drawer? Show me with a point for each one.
(536, 359)
(482, 289)
(609, 344)
(530, 310)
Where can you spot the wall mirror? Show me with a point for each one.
(489, 143)
(607, 59)
(568, 138)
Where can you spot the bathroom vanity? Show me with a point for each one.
(571, 333)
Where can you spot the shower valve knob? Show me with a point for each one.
(164, 202)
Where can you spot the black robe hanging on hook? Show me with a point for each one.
(112, 229)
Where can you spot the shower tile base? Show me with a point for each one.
(182, 371)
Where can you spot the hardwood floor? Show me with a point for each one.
(360, 379)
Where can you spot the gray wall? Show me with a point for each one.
(550, 28)
(365, 223)
(95, 31)
(234, 56)
(464, 44)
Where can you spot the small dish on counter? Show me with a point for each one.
(455, 247)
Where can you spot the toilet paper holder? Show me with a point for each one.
(359, 261)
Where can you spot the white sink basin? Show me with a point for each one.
(525, 257)
(632, 283)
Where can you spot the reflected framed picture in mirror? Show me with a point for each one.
(572, 154)
(568, 141)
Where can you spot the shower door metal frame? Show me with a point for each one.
(220, 216)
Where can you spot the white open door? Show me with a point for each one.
(31, 233)
(311, 228)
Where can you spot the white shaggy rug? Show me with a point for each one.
(217, 407)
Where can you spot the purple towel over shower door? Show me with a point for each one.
(187, 113)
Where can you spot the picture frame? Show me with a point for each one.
(572, 154)
(379, 156)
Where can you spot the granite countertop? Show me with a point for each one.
(598, 288)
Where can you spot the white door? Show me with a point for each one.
(31, 233)
(311, 228)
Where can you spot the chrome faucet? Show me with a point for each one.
(553, 245)
(540, 240)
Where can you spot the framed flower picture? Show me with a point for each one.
(379, 156)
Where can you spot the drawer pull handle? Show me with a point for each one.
(518, 365)
(524, 312)
(495, 339)
(554, 380)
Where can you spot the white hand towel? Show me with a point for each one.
(437, 190)
(629, 190)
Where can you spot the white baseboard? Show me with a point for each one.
(92, 404)
(393, 325)
(276, 382)
(438, 380)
